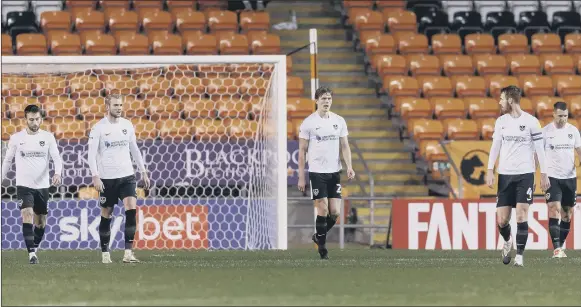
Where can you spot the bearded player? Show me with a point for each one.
(32, 147)
(112, 143)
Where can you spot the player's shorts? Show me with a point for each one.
(37, 199)
(562, 190)
(325, 185)
(117, 189)
(513, 189)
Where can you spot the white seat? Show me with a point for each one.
(484, 10)
(498, 4)
(555, 6)
(17, 6)
(452, 7)
(53, 3)
(518, 7)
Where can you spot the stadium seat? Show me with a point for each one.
(527, 106)
(138, 4)
(89, 20)
(381, 44)
(422, 129)
(20, 23)
(573, 43)
(166, 44)
(68, 128)
(298, 107)
(574, 103)
(390, 65)
(453, 7)
(532, 22)
(198, 106)
(11, 126)
(209, 129)
(186, 85)
(92, 108)
(457, 65)
(546, 43)
(432, 151)
(446, 44)
(133, 44)
(353, 12)
(55, 20)
(400, 21)
(565, 22)
(498, 82)
(368, 21)
(46, 85)
(134, 107)
(482, 107)
(31, 44)
(461, 129)
(82, 85)
(153, 86)
(400, 86)
(413, 107)
(347, 4)
(220, 84)
(187, 21)
(222, 21)
(555, 64)
(435, 86)
(295, 87)
(544, 105)
(62, 43)
(264, 43)
(466, 22)
(524, 64)
(567, 85)
(499, 22)
(490, 64)
(479, 43)
(178, 129)
(59, 106)
(121, 20)
(16, 85)
(486, 127)
(88, 4)
(234, 107)
(469, 86)
(230, 43)
(421, 64)
(253, 21)
(105, 4)
(15, 105)
(6, 45)
(180, 5)
(513, 43)
(486, 8)
(156, 21)
(161, 108)
(519, 6)
(241, 129)
(551, 7)
(98, 44)
(119, 84)
(448, 107)
(412, 43)
(198, 43)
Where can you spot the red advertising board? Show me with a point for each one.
(172, 227)
(468, 225)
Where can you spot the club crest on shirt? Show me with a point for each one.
(522, 128)
(315, 192)
(570, 135)
(336, 126)
(103, 199)
(41, 143)
(124, 131)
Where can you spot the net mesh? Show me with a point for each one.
(208, 137)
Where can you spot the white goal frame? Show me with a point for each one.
(280, 81)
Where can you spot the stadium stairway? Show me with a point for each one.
(374, 140)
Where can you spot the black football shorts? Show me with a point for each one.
(325, 185)
(117, 189)
(37, 199)
(562, 190)
(513, 189)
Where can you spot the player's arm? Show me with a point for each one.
(578, 143)
(94, 141)
(57, 160)
(304, 137)
(10, 153)
(136, 154)
(539, 143)
(346, 151)
(494, 152)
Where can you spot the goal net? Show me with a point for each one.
(211, 129)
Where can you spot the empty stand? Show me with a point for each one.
(421, 64)
(31, 44)
(446, 44)
(469, 86)
(490, 64)
(448, 107)
(435, 86)
(554, 64)
(457, 65)
(412, 107)
(546, 43)
(524, 64)
(461, 129)
(482, 107)
(198, 43)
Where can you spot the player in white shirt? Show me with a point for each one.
(32, 148)
(517, 137)
(112, 143)
(561, 140)
(322, 135)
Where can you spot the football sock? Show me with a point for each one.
(331, 220)
(522, 235)
(504, 232)
(321, 225)
(105, 233)
(28, 235)
(38, 235)
(564, 227)
(130, 223)
(554, 230)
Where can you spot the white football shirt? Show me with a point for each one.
(111, 146)
(517, 152)
(560, 147)
(324, 141)
(32, 153)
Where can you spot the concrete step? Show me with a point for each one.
(331, 44)
(328, 58)
(379, 145)
(326, 67)
(385, 156)
(380, 134)
(322, 34)
(364, 123)
(352, 112)
(391, 177)
(341, 102)
(391, 189)
(396, 168)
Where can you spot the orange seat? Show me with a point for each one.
(55, 20)
(89, 20)
(241, 129)
(198, 106)
(133, 44)
(221, 84)
(461, 129)
(189, 20)
(233, 44)
(164, 108)
(180, 5)
(187, 85)
(263, 43)
(295, 87)
(176, 129)
(389, 65)
(486, 127)
(82, 85)
(299, 107)
(212, 5)
(422, 129)
(46, 85)
(398, 21)
(567, 85)
(432, 151)
(370, 20)
(166, 44)
(577, 61)
(68, 128)
(573, 43)
(65, 44)
(364, 36)
(122, 20)
(15, 105)
(574, 103)
(59, 106)
(89, 4)
(251, 21)
(144, 129)
(412, 43)
(457, 65)
(114, 4)
(513, 43)
(448, 107)
(498, 82)
(435, 86)
(481, 107)
(400, 86)
(420, 64)
(490, 64)
(153, 85)
(6, 44)
(527, 106)
(99, 44)
(534, 85)
(380, 44)
(209, 129)
(413, 107)
(222, 21)
(446, 44)
(347, 4)
(555, 64)
(92, 107)
(469, 86)
(197, 43)
(524, 64)
(234, 107)
(544, 105)
(478, 43)
(11, 126)
(546, 43)
(290, 130)
(134, 107)
(16, 85)
(352, 12)
(119, 84)
(138, 4)
(31, 44)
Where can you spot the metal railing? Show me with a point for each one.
(460, 194)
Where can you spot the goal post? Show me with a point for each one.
(212, 131)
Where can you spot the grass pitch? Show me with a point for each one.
(294, 277)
